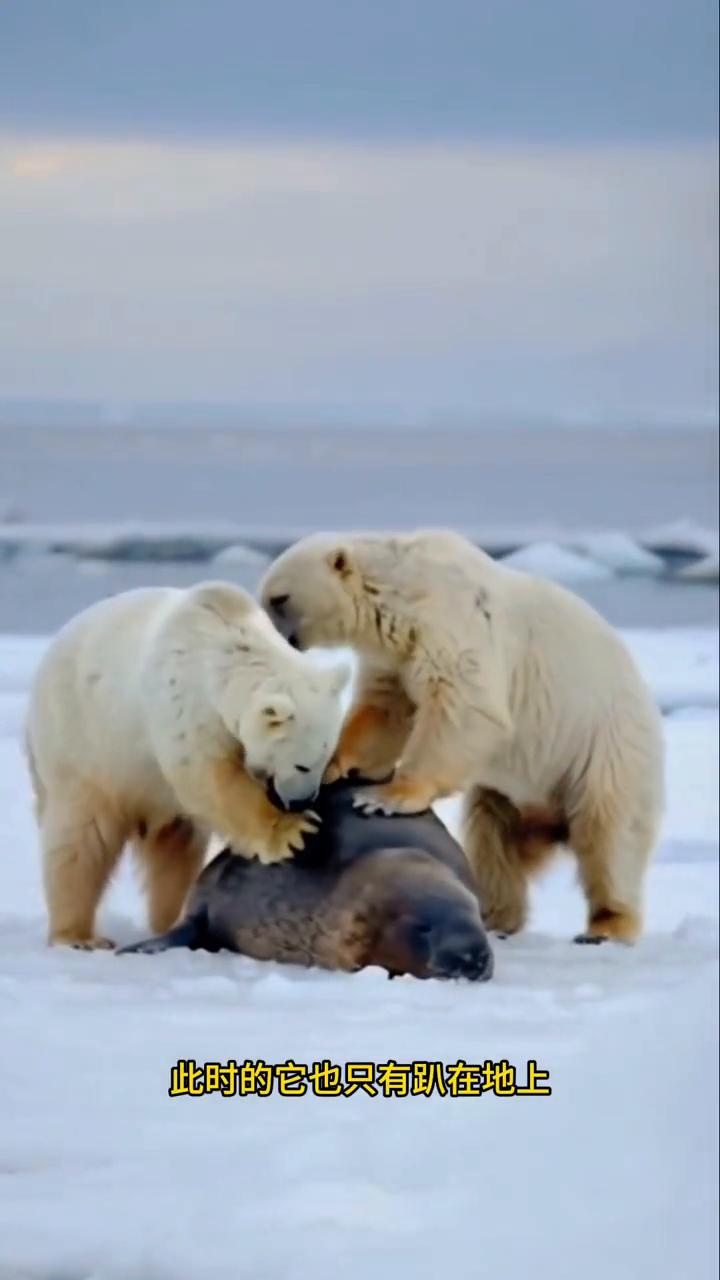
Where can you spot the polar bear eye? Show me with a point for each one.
(302, 768)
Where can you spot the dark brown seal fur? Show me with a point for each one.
(366, 890)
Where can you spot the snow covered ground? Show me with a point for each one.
(103, 1176)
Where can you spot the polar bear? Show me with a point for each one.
(475, 677)
(159, 716)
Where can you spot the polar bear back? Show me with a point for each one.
(530, 677)
(86, 701)
(568, 678)
(149, 692)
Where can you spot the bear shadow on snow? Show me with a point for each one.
(396, 892)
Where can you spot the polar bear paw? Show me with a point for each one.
(78, 943)
(287, 836)
(401, 795)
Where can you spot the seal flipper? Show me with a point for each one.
(191, 933)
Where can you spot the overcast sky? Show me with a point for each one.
(402, 207)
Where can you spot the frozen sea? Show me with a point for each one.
(269, 479)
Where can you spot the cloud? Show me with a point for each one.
(468, 275)
(320, 68)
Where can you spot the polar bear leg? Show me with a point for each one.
(237, 808)
(500, 872)
(171, 857)
(376, 728)
(613, 852)
(82, 837)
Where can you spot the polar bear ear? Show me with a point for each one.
(340, 561)
(226, 601)
(278, 711)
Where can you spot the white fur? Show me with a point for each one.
(517, 686)
(142, 698)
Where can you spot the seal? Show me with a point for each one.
(367, 889)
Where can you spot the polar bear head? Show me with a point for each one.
(289, 731)
(325, 588)
(360, 589)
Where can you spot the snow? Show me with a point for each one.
(620, 553)
(582, 555)
(681, 665)
(106, 1177)
(683, 535)
(548, 560)
(705, 570)
(239, 554)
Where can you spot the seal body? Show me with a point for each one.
(394, 891)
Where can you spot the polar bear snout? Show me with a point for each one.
(281, 797)
(279, 608)
(288, 797)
